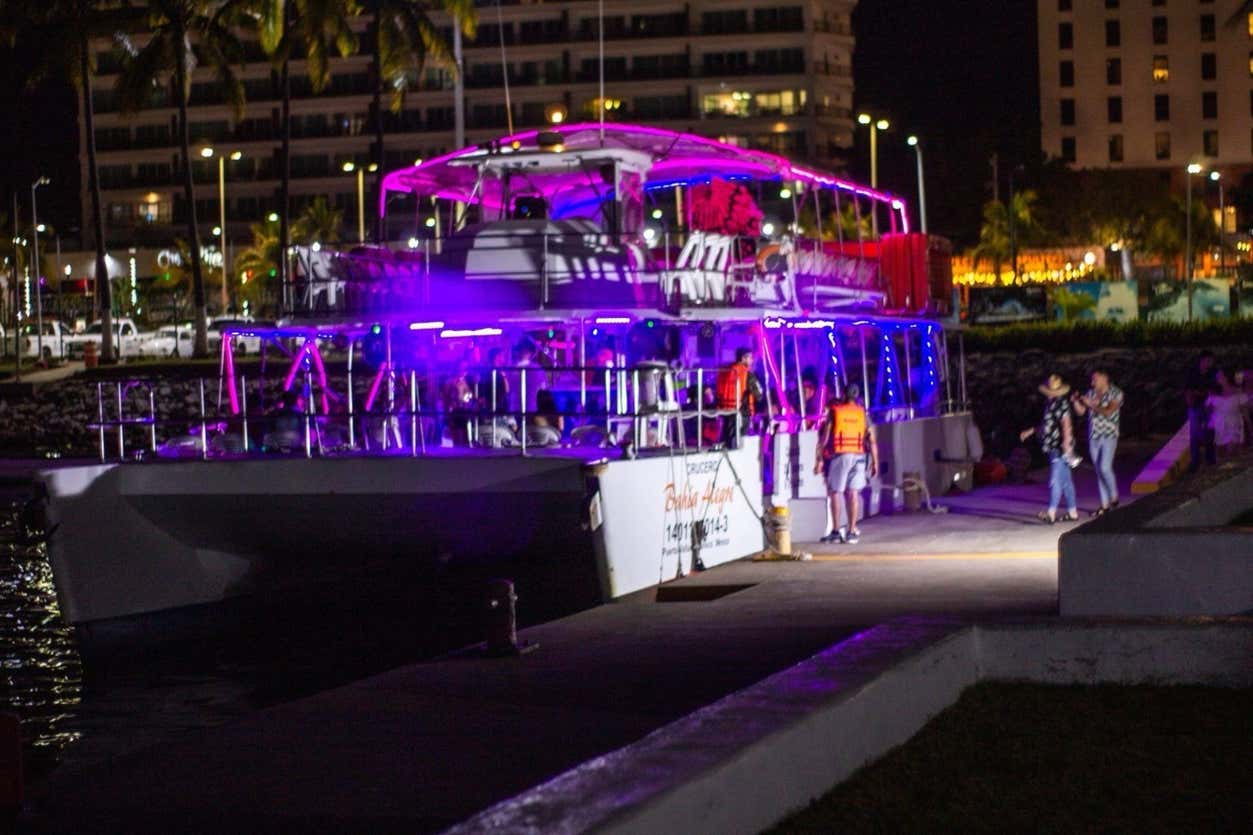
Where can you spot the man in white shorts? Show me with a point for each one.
(843, 443)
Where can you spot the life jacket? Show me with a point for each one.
(732, 385)
(848, 430)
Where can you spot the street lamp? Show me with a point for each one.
(1217, 177)
(1193, 168)
(350, 167)
(39, 307)
(235, 156)
(875, 126)
(912, 142)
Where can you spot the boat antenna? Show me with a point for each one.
(459, 90)
(504, 69)
(600, 24)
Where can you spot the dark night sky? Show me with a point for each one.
(959, 73)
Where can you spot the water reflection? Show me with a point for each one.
(40, 671)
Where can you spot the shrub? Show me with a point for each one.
(1084, 336)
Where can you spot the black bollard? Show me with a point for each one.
(500, 621)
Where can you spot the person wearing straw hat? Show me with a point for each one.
(1057, 439)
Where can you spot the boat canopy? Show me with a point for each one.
(665, 158)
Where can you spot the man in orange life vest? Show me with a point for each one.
(738, 388)
(846, 436)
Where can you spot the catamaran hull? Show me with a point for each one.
(130, 542)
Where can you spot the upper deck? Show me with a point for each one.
(618, 216)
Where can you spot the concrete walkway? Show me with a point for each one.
(423, 747)
(35, 375)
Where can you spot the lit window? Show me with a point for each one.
(1251, 65)
(1161, 69)
(735, 103)
(1250, 24)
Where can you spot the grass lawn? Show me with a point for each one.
(1034, 758)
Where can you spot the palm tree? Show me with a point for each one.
(995, 244)
(315, 28)
(259, 262)
(403, 38)
(64, 30)
(319, 222)
(181, 35)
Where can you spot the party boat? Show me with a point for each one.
(528, 385)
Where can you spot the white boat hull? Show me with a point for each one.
(137, 539)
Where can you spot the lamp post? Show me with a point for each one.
(350, 167)
(39, 308)
(913, 142)
(235, 156)
(875, 126)
(1217, 177)
(1193, 168)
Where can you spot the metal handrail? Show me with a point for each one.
(615, 410)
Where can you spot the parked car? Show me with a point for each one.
(241, 345)
(54, 335)
(127, 339)
(170, 341)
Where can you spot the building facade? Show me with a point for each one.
(771, 74)
(1146, 83)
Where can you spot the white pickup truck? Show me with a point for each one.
(55, 340)
(127, 340)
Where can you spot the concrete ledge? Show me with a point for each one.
(753, 757)
(1173, 553)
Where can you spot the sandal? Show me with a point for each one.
(1044, 517)
(1071, 516)
(1100, 511)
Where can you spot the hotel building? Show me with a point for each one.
(771, 74)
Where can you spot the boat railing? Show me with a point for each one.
(672, 269)
(625, 411)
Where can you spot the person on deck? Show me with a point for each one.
(845, 442)
(1102, 404)
(738, 389)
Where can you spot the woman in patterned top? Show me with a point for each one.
(1102, 403)
(1057, 439)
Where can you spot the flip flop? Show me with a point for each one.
(1044, 517)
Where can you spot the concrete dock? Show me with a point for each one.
(425, 746)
